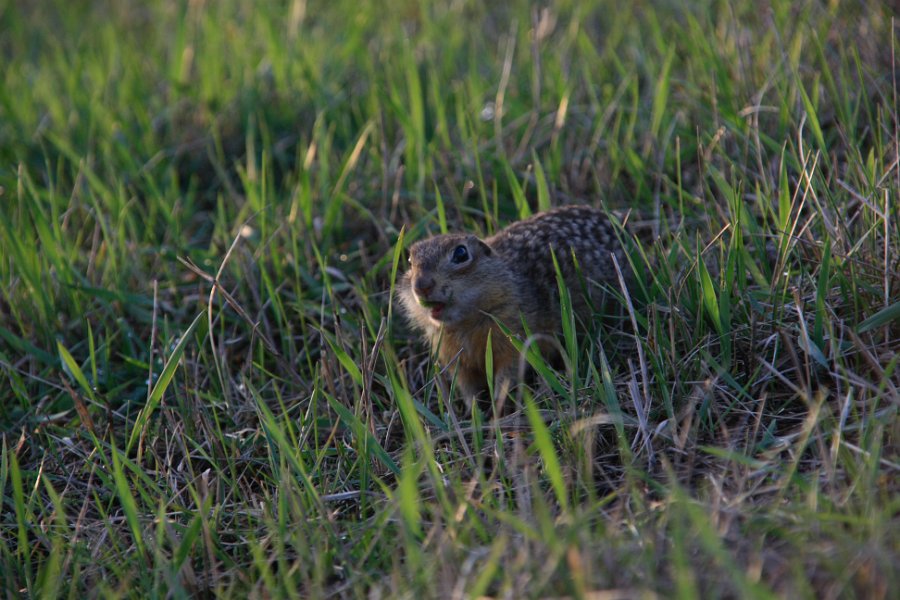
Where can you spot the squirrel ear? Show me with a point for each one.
(483, 248)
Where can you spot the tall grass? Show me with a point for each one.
(206, 388)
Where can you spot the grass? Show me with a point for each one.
(206, 389)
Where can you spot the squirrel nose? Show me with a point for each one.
(423, 285)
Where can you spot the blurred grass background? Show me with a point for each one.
(204, 386)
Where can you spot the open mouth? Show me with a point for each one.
(436, 308)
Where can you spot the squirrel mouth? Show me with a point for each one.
(436, 308)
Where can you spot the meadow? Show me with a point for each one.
(207, 387)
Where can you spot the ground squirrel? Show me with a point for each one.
(458, 284)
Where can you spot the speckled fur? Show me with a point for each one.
(509, 276)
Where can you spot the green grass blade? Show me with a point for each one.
(364, 437)
(811, 114)
(661, 97)
(348, 363)
(544, 444)
(441, 212)
(884, 316)
(518, 193)
(708, 289)
(126, 499)
(408, 494)
(24, 347)
(74, 370)
(489, 363)
(190, 536)
(395, 264)
(543, 190)
(23, 516)
(165, 378)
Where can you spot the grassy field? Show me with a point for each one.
(206, 389)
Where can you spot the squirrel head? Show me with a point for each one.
(446, 279)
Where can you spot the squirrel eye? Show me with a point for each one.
(460, 255)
